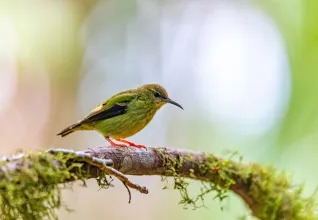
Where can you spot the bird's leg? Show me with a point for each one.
(131, 144)
(113, 143)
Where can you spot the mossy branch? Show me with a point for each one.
(30, 183)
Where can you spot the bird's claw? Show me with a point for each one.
(138, 146)
(120, 145)
(131, 144)
(113, 144)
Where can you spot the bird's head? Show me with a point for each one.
(157, 95)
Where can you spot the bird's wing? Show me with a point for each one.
(116, 105)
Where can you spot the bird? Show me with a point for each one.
(124, 114)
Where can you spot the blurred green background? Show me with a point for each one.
(245, 72)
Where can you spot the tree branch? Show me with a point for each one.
(268, 194)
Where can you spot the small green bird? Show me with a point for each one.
(124, 114)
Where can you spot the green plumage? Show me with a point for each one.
(125, 113)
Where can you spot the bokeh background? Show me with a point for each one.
(244, 71)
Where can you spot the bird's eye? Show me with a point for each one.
(156, 94)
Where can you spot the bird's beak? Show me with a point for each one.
(172, 102)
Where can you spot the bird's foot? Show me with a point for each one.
(113, 144)
(119, 145)
(131, 144)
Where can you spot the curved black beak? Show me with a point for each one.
(172, 102)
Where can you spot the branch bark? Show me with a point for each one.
(269, 195)
(154, 162)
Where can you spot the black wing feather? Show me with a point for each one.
(115, 110)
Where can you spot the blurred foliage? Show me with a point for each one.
(297, 21)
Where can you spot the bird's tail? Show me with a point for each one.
(70, 129)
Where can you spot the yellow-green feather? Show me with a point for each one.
(136, 107)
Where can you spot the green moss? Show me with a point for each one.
(33, 192)
(30, 184)
(221, 173)
(273, 195)
(30, 190)
(104, 181)
(277, 198)
(172, 165)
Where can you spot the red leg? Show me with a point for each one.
(130, 143)
(113, 143)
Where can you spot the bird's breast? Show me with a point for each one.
(126, 125)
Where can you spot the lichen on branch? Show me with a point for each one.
(30, 183)
(29, 186)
